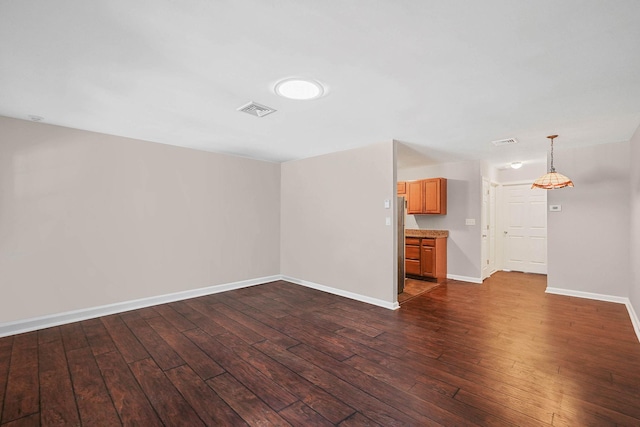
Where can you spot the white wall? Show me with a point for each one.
(588, 241)
(529, 171)
(333, 221)
(634, 286)
(88, 219)
(464, 194)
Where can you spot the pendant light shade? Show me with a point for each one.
(552, 179)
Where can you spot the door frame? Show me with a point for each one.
(489, 262)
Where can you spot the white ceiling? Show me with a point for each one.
(444, 77)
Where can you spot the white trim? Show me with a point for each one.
(477, 280)
(35, 323)
(587, 295)
(48, 321)
(526, 181)
(634, 318)
(342, 293)
(601, 297)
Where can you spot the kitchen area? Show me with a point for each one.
(422, 265)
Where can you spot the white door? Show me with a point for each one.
(525, 229)
(488, 228)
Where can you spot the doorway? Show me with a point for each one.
(524, 229)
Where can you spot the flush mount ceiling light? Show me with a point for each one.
(516, 165)
(300, 89)
(552, 179)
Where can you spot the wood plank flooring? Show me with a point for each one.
(503, 353)
(414, 287)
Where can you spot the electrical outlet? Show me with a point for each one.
(470, 221)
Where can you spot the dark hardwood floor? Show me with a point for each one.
(415, 287)
(500, 353)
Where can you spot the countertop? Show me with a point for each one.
(426, 233)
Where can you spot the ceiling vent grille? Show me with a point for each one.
(256, 109)
(501, 142)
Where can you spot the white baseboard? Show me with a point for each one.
(42, 322)
(477, 280)
(634, 318)
(342, 293)
(587, 295)
(602, 297)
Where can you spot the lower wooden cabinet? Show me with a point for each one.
(428, 261)
(412, 267)
(412, 256)
(426, 257)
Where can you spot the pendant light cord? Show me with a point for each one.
(552, 170)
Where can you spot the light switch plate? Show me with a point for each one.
(387, 204)
(387, 220)
(470, 221)
(555, 208)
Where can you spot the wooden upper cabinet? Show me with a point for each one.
(415, 199)
(435, 196)
(427, 196)
(402, 188)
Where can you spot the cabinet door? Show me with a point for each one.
(435, 196)
(432, 196)
(402, 188)
(415, 200)
(428, 261)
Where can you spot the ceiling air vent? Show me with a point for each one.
(256, 109)
(502, 142)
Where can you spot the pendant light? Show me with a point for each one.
(552, 179)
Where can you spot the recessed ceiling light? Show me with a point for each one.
(300, 89)
(516, 165)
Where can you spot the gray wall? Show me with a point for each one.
(588, 242)
(333, 221)
(464, 190)
(88, 219)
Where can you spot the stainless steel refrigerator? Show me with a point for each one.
(400, 215)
